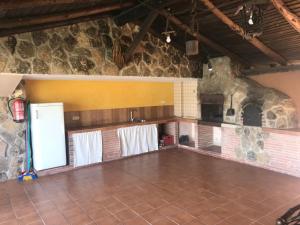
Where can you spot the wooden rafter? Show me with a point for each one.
(37, 20)
(239, 30)
(139, 37)
(202, 38)
(292, 18)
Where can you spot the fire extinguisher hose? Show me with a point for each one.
(29, 173)
(9, 108)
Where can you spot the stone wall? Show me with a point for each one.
(12, 142)
(84, 48)
(278, 109)
(87, 48)
(251, 146)
(271, 149)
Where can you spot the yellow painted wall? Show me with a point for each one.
(89, 95)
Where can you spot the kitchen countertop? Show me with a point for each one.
(292, 131)
(213, 124)
(112, 126)
(119, 125)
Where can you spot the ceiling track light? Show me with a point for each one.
(206, 59)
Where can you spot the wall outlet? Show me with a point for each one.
(75, 117)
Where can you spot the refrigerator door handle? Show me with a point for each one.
(37, 114)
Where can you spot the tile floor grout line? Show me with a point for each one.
(37, 211)
(75, 202)
(164, 179)
(158, 188)
(55, 205)
(86, 211)
(132, 210)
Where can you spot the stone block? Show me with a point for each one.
(3, 165)
(26, 49)
(39, 66)
(39, 37)
(3, 148)
(3, 176)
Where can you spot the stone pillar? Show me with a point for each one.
(12, 144)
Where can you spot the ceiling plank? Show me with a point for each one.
(292, 18)
(139, 37)
(239, 30)
(202, 38)
(21, 4)
(37, 20)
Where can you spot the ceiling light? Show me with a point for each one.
(167, 33)
(252, 17)
(168, 38)
(250, 21)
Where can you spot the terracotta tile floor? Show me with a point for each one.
(165, 188)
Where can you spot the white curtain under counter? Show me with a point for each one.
(138, 139)
(87, 148)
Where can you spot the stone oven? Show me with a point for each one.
(254, 104)
(212, 107)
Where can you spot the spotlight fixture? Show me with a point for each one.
(210, 68)
(206, 59)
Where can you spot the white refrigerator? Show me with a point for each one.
(48, 135)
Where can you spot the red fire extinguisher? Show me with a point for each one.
(17, 109)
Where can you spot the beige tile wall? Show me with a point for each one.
(178, 99)
(186, 99)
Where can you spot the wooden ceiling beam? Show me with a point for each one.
(21, 4)
(290, 17)
(139, 37)
(37, 20)
(201, 38)
(239, 30)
